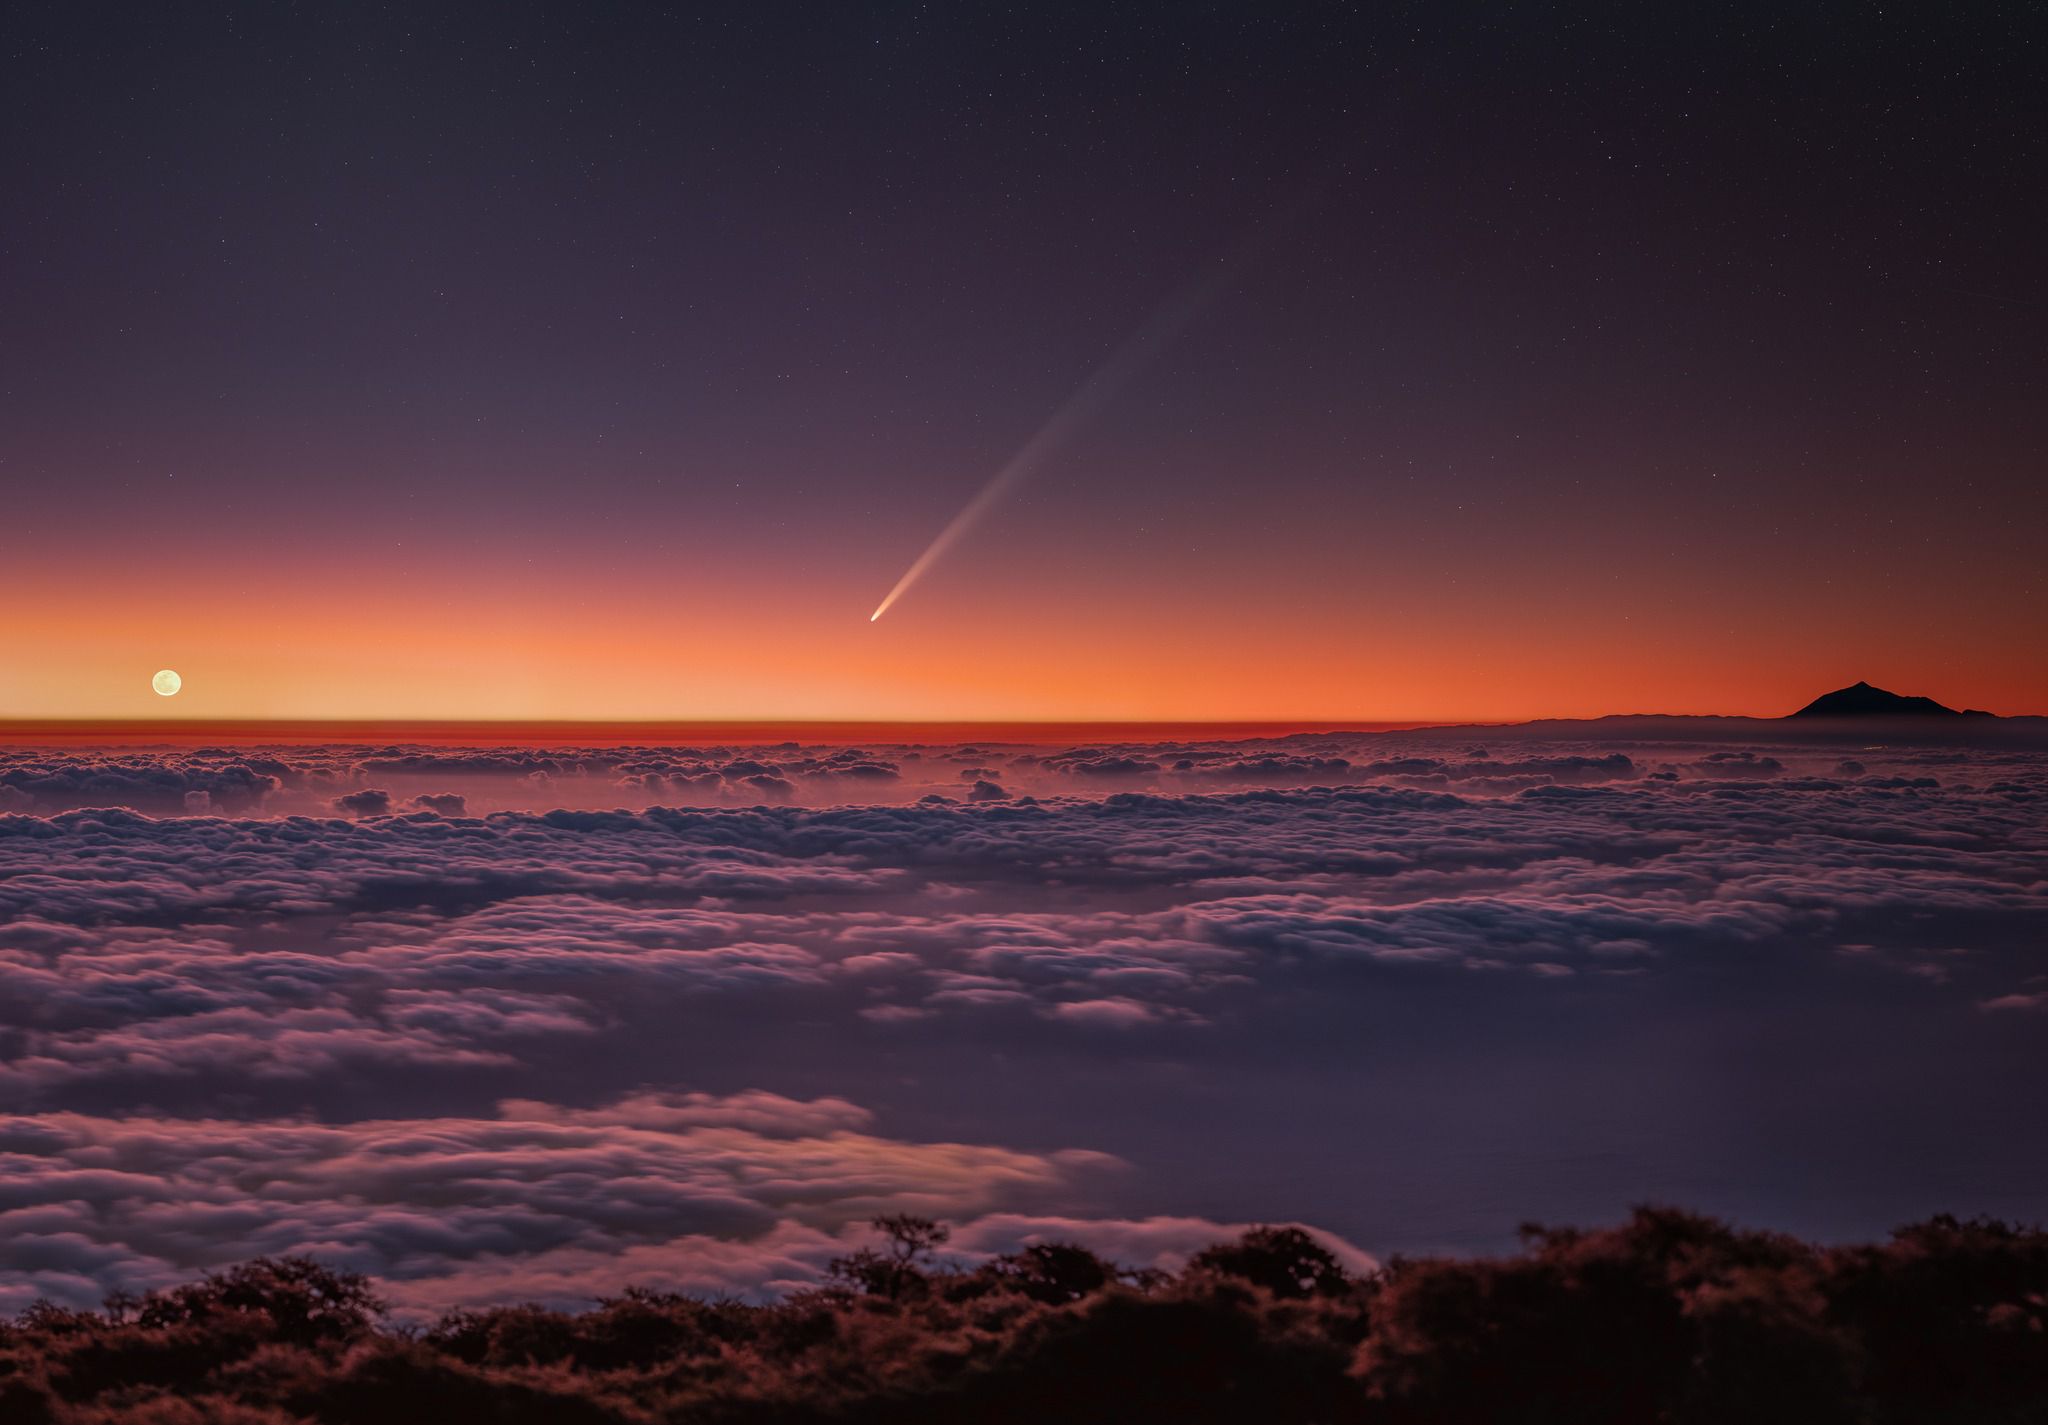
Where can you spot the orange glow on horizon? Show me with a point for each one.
(998, 634)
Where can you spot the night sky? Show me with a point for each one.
(550, 361)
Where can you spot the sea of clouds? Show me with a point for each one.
(507, 1023)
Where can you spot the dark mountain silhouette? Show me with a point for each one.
(1862, 700)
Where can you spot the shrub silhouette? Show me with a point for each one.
(1284, 1260)
(1053, 1272)
(1198, 1355)
(1668, 1317)
(1947, 1310)
(302, 1301)
(1661, 1319)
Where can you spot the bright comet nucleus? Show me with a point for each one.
(167, 683)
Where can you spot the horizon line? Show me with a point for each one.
(139, 731)
(763, 729)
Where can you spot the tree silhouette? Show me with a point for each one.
(899, 1268)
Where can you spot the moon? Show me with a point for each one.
(167, 683)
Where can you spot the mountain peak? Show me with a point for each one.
(1860, 699)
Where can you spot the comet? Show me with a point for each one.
(1170, 319)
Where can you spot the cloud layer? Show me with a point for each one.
(551, 1047)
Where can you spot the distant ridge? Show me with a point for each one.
(1862, 700)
